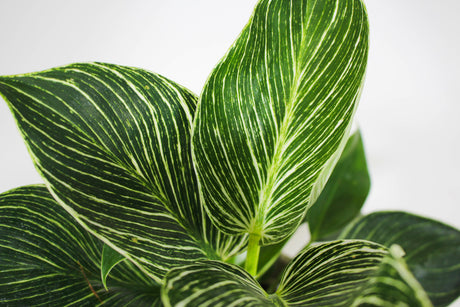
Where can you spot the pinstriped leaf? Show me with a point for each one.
(47, 258)
(393, 285)
(274, 115)
(432, 249)
(330, 274)
(212, 283)
(113, 146)
(339, 273)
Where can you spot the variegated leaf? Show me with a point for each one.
(392, 285)
(339, 273)
(275, 113)
(212, 283)
(330, 274)
(113, 146)
(48, 259)
(432, 249)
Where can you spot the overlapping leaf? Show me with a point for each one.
(330, 274)
(212, 283)
(392, 285)
(340, 201)
(339, 273)
(432, 249)
(274, 114)
(344, 194)
(113, 145)
(47, 258)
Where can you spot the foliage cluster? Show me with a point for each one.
(154, 196)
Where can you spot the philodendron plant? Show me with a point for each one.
(154, 196)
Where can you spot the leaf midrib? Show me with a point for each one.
(266, 191)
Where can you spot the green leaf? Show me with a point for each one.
(212, 283)
(432, 249)
(109, 259)
(330, 274)
(393, 285)
(275, 113)
(338, 273)
(47, 258)
(113, 146)
(344, 194)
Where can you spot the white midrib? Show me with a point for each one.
(266, 191)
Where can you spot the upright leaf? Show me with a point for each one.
(344, 194)
(48, 259)
(113, 146)
(274, 115)
(432, 249)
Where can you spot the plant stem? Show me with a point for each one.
(252, 257)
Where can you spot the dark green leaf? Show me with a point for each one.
(344, 194)
(432, 249)
(48, 259)
(392, 285)
(338, 273)
(274, 114)
(330, 274)
(212, 283)
(113, 145)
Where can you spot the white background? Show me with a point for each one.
(408, 114)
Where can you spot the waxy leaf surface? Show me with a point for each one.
(340, 273)
(113, 146)
(48, 259)
(275, 113)
(392, 285)
(432, 249)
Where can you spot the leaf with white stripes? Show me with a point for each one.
(432, 249)
(330, 274)
(47, 258)
(339, 273)
(113, 146)
(212, 283)
(275, 113)
(392, 285)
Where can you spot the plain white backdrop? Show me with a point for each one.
(409, 111)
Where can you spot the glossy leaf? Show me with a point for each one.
(344, 194)
(330, 274)
(212, 283)
(113, 146)
(339, 273)
(47, 258)
(393, 285)
(432, 249)
(274, 115)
